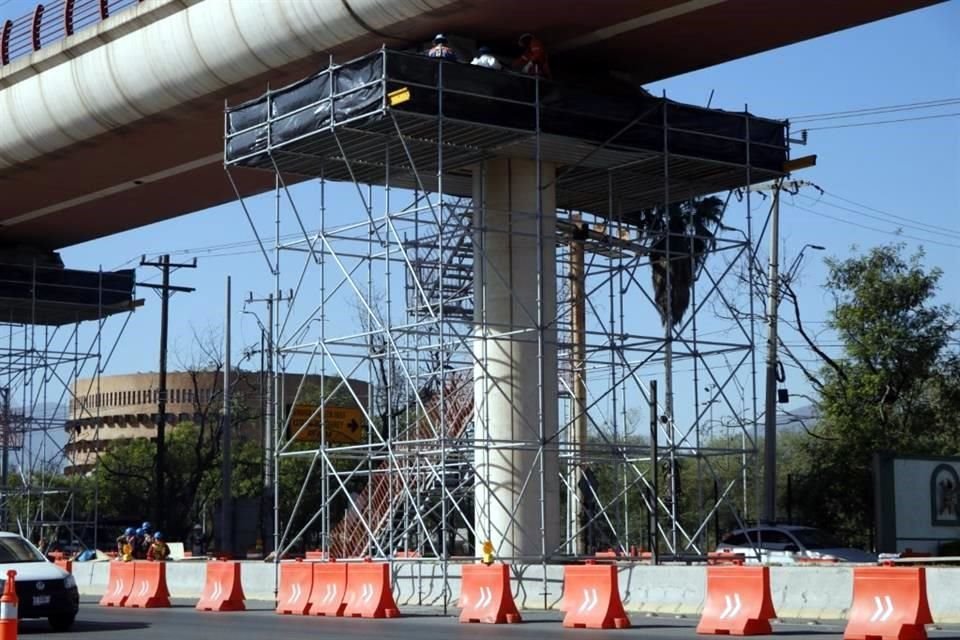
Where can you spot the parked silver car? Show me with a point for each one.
(787, 543)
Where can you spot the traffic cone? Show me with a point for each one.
(8, 609)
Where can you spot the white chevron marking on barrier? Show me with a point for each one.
(590, 600)
(366, 592)
(118, 587)
(295, 593)
(886, 616)
(884, 609)
(144, 587)
(217, 590)
(486, 597)
(330, 595)
(733, 606)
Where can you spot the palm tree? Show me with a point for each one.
(683, 234)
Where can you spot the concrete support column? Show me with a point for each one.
(515, 377)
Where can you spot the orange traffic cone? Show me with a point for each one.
(8, 609)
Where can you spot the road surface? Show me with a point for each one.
(182, 622)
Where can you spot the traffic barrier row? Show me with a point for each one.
(361, 590)
(140, 585)
(889, 603)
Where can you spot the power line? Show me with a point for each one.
(937, 228)
(910, 106)
(878, 122)
(869, 228)
(915, 226)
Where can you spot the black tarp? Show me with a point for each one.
(305, 107)
(491, 98)
(55, 296)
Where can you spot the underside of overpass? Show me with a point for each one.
(141, 146)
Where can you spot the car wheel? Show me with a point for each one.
(62, 622)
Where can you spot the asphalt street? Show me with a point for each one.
(182, 622)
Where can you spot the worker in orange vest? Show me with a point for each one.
(533, 60)
(158, 551)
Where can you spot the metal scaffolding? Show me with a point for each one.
(53, 332)
(382, 237)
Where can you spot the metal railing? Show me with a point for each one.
(52, 22)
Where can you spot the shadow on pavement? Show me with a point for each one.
(41, 627)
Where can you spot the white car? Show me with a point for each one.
(787, 543)
(44, 589)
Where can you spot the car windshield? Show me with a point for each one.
(816, 539)
(18, 550)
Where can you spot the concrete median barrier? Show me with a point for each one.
(812, 593)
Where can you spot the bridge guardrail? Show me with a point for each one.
(52, 22)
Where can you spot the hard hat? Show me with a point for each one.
(439, 39)
(158, 536)
(146, 526)
(524, 38)
(129, 531)
(138, 532)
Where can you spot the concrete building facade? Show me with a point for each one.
(123, 407)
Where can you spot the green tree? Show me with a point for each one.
(895, 388)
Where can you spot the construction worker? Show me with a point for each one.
(147, 529)
(128, 547)
(533, 60)
(158, 551)
(441, 49)
(123, 538)
(486, 59)
(139, 550)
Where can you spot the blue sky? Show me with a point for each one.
(907, 169)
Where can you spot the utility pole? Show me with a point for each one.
(5, 458)
(226, 490)
(166, 290)
(269, 435)
(576, 496)
(770, 396)
(655, 474)
(768, 512)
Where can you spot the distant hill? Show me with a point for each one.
(795, 419)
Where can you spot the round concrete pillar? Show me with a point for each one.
(515, 372)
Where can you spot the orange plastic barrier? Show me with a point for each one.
(329, 589)
(888, 603)
(738, 601)
(485, 594)
(222, 590)
(296, 582)
(369, 593)
(591, 597)
(66, 565)
(150, 586)
(119, 584)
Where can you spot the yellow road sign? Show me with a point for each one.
(345, 425)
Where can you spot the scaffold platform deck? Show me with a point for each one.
(401, 116)
(51, 296)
